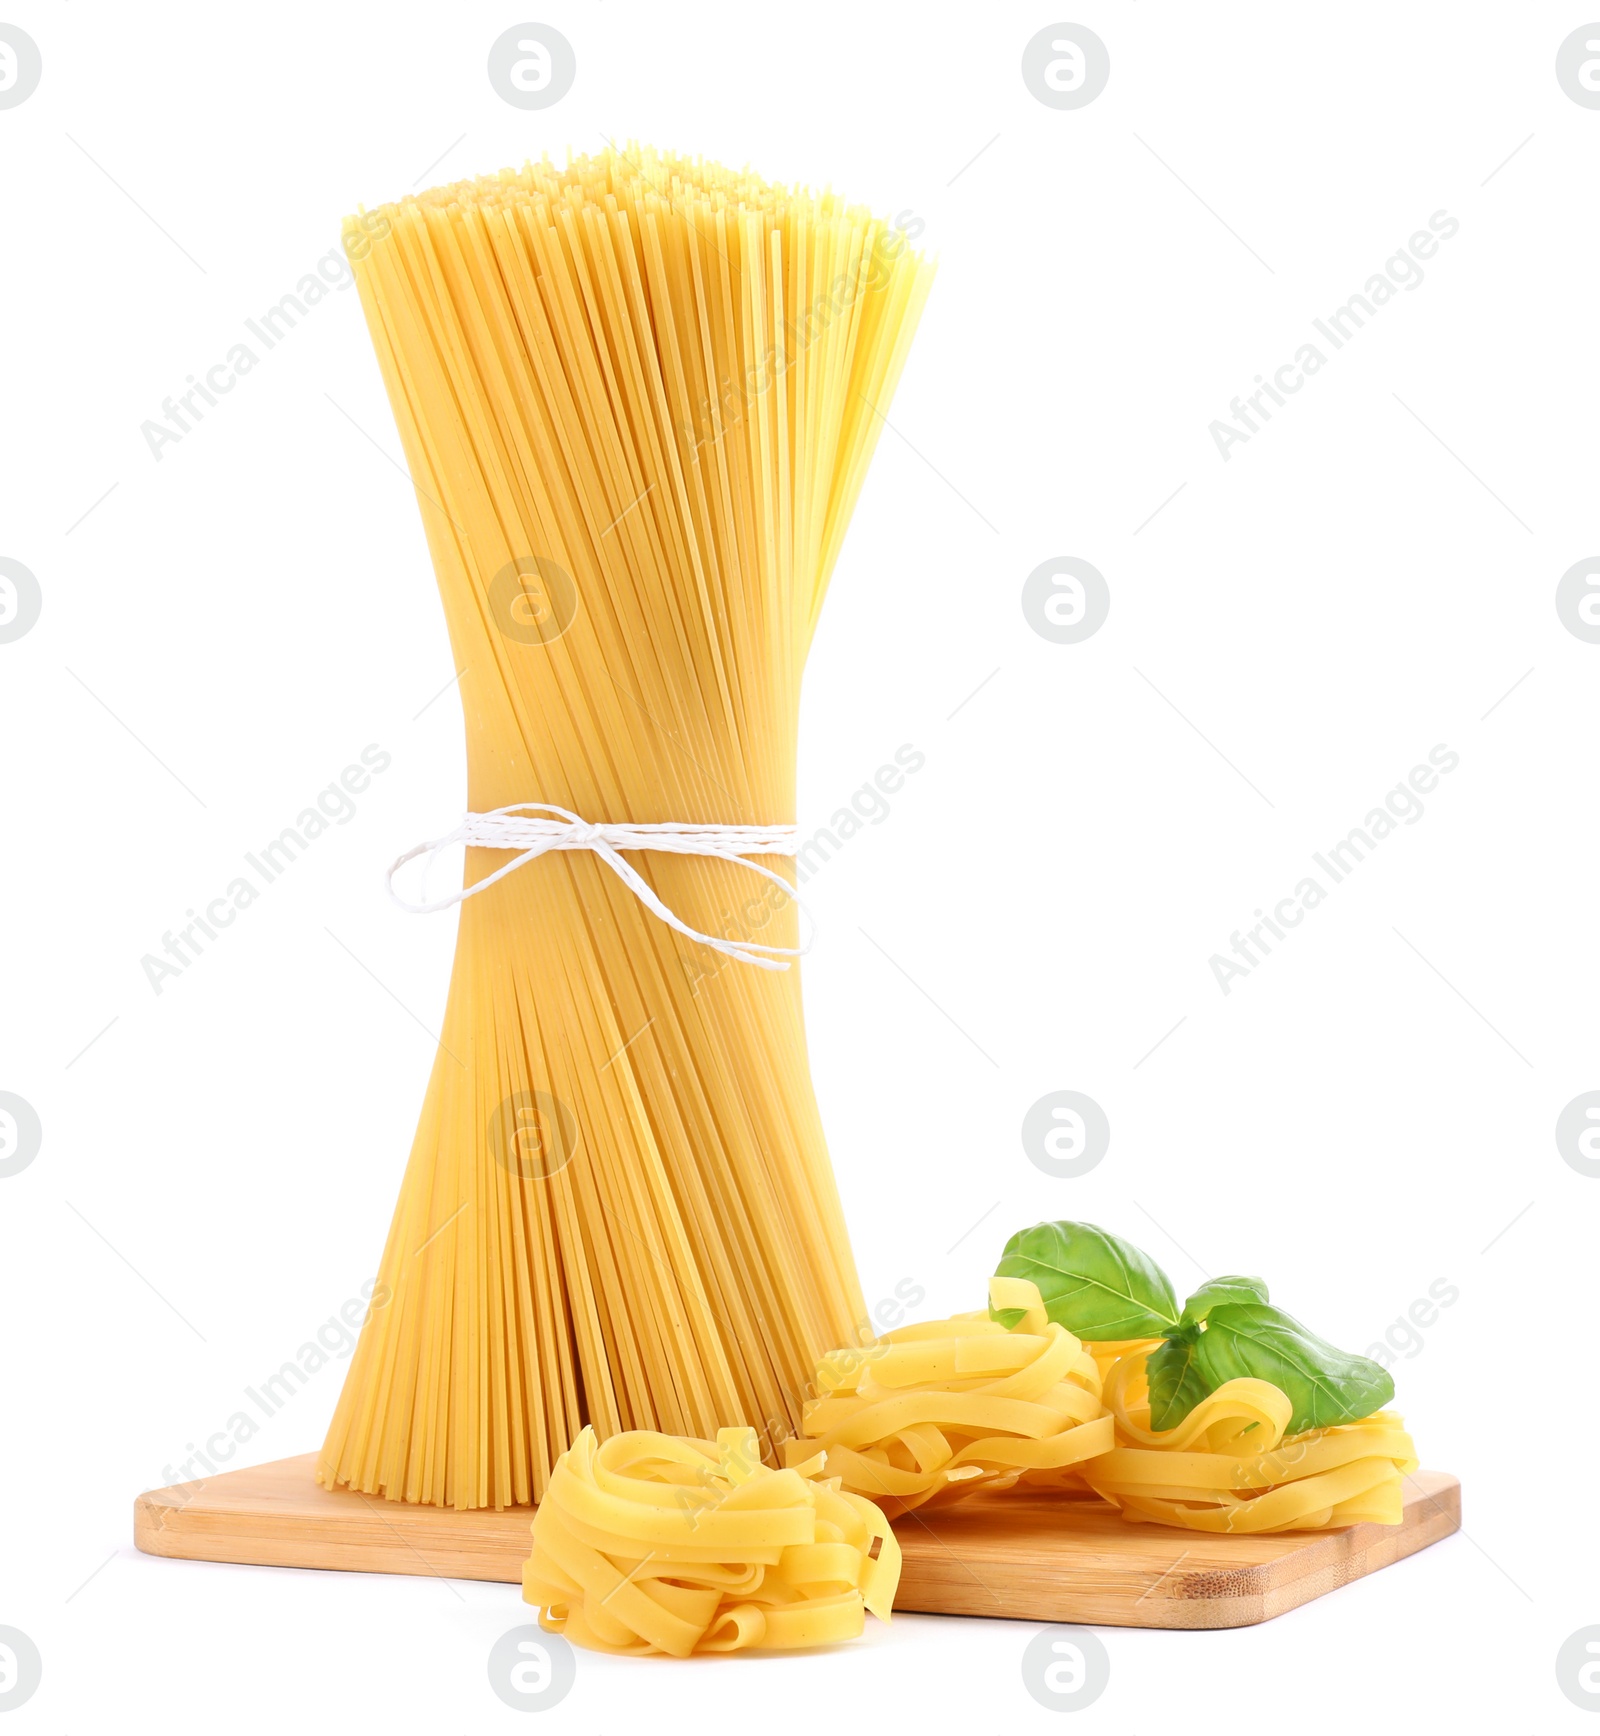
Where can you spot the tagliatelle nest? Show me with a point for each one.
(938, 1411)
(657, 1543)
(934, 1412)
(1229, 1467)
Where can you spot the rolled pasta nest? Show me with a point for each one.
(1230, 1467)
(934, 1412)
(657, 1543)
(660, 1543)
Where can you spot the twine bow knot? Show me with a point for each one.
(517, 828)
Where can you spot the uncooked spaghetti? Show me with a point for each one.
(638, 397)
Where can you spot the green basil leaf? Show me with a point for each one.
(1324, 1384)
(1176, 1384)
(1010, 1318)
(1093, 1283)
(1219, 1290)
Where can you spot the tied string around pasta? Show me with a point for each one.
(658, 1543)
(934, 1412)
(1230, 1467)
(511, 828)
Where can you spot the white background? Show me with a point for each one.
(1366, 1113)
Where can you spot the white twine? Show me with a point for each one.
(512, 829)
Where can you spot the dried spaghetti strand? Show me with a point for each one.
(636, 395)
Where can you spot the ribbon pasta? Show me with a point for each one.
(1229, 1467)
(658, 1543)
(650, 1543)
(934, 1412)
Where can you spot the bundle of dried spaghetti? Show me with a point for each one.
(934, 1412)
(638, 396)
(1229, 1466)
(654, 1543)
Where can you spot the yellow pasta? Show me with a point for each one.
(655, 1543)
(637, 397)
(937, 1411)
(934, 1412)
(1229, 1467)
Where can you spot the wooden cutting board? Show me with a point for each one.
(1033, 1557)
